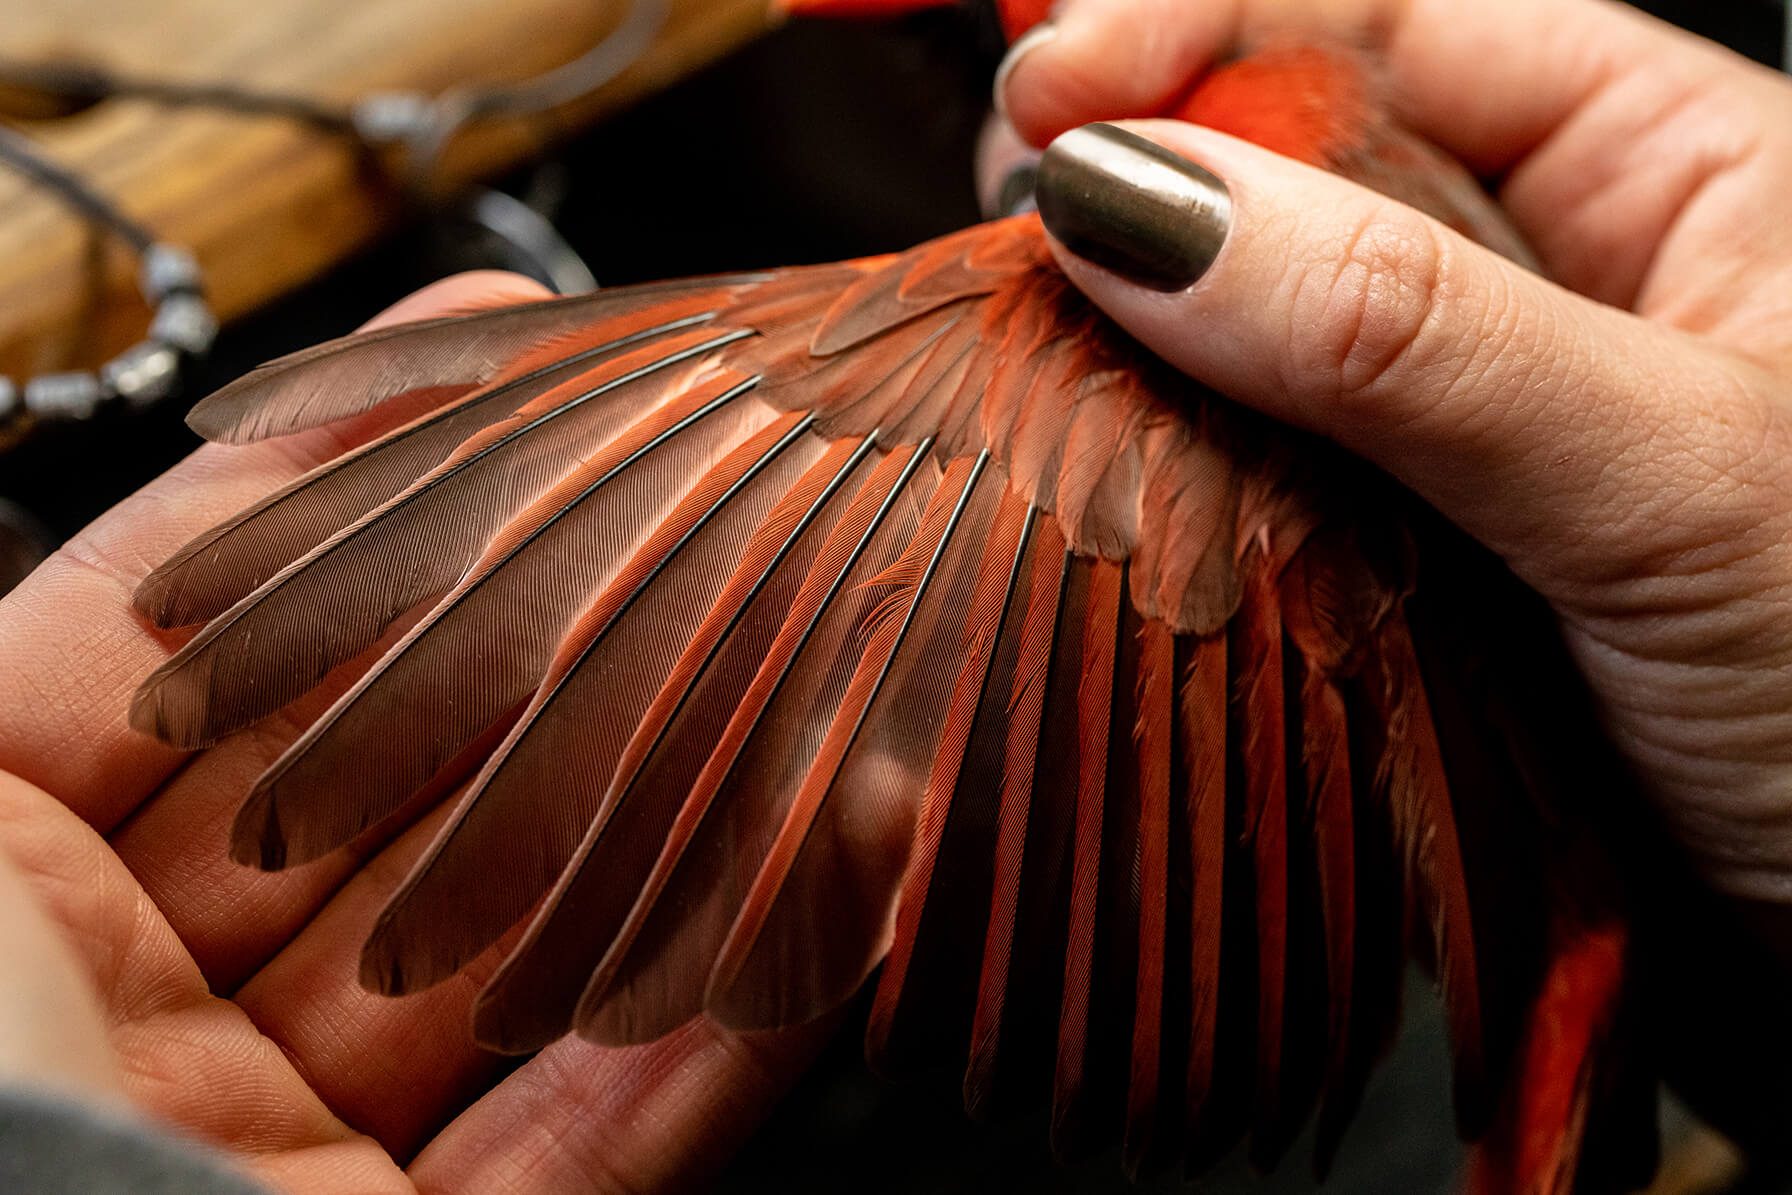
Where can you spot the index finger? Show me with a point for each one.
(72, 650)
(1487, 81)
(1604, 124)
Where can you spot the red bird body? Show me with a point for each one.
(903, 611)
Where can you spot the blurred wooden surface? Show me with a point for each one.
(265, 203)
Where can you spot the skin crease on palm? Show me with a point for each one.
(1631, 467)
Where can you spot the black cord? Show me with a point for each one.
(426, 123)
(90, 84)
(423, 125)
(22, 156)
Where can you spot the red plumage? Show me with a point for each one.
(904, 611)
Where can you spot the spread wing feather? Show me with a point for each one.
(531, 999)
(511, 608)
(219, 568)
(832, 877)
(1078, 1025)
(1018, 972)
(656, 973)
(335, 601)
(1147, 1101)
(353, 374)
(543, 786)
(896, 611)
(931, 959)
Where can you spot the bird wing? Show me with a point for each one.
(901, 611)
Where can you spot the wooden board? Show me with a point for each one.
(263, 202)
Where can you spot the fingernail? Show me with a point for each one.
(1029, 41)
(1133, 207)
(1016, 195)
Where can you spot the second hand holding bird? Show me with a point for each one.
(1623, 440)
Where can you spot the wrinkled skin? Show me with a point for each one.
(1624, 440)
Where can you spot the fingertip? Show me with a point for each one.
(1092, 63)
(52, 1026)
(1013, 63)
(1048, 86)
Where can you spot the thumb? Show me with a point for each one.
(52, 1032)
(1582, 443)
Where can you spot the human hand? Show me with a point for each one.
(1627, 448)
(228, 997)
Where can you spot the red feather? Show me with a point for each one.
(903, 610)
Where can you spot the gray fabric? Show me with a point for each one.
(54, 1145)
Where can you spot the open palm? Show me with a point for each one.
(229, 996)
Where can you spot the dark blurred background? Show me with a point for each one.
(820, 141)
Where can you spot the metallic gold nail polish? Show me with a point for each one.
(1133, 207)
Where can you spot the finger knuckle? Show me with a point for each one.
(1722, 512)
(1365, 310)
